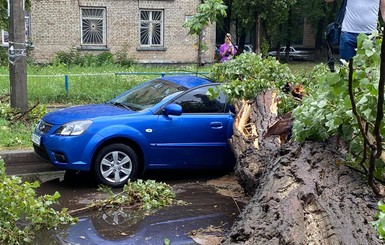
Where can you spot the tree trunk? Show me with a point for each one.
(302, 193)
(248, 142)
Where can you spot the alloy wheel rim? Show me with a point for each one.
(116, 167)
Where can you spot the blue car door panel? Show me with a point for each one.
(196, 138)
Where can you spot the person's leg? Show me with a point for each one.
(348, 45)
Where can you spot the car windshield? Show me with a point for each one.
(147, 95)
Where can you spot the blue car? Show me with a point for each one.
(166, 123)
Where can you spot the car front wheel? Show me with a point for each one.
(115, 165)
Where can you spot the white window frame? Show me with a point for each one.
(98, 37)
(151, 22)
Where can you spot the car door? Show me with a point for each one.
(198, 137)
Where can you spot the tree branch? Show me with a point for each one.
(367, 141)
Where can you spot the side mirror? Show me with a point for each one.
(172, 109)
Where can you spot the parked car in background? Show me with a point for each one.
(166, 123)
(248, 48)
(294, 54)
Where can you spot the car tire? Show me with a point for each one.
(116, 164)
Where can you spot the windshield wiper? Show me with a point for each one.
(115, 103)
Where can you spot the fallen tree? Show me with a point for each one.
(302, 193)
(322, 188)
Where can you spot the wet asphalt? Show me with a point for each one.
(199, 213)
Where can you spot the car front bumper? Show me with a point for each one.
(67, 152)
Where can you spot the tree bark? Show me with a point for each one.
(302, 192)
(248, 142)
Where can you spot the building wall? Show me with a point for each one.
(55, 26)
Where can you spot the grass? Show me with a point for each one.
(301, 67)
(14, 137)
(46, 85)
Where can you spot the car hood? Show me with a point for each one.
(84, 112)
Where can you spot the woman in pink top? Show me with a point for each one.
(227, 50)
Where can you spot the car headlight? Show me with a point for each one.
(73, 128)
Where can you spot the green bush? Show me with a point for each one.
(104, 58)
(68, 58)
(73, 58)
(87, 60)
(122, 59)
(23, 213)
(328, 111)
(249, 74)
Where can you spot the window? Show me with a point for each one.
(151, 28)
(197, 101)
(93, 26)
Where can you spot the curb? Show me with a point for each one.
(19, 156)
(27, 165)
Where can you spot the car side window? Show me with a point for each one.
(197, 101)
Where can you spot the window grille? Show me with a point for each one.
(93, 26)
(151, 28)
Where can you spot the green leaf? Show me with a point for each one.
(167, 241)
(56, 195)
(322, 103)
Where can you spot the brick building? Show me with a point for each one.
(149, 31)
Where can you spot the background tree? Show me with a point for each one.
(262, 15)
(244, 14)
(276, 22)
(3, 14)
(207, 13)
(319, 14)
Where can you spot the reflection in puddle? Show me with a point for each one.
(202, 208)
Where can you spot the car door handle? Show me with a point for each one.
(216, 125)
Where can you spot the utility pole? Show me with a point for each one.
(17, 56)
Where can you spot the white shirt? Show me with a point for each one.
(361, 16)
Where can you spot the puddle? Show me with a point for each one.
(202, 215)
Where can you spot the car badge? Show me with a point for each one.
(148, 130)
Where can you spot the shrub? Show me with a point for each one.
(122, 59)
(87, 60)
(68, 58)
(22, 213)
(104, 58)
(75, 58)
(249, 74)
